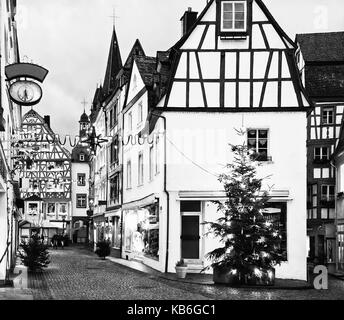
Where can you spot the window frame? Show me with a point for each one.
(323, 111)
(268, 157)
(84, 180)
(128, 175)
(232, 34)
(140, 168)
(81, 206)
(321, 156)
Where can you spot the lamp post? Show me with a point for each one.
(63, 225)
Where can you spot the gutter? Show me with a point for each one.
(167, 194)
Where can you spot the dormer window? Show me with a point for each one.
(81, 157)
(233, 16)
(232, 19)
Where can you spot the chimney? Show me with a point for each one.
(188, 19)
(47, 120)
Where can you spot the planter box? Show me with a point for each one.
(181, 272)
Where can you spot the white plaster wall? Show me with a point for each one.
(79, 168)
(204, 137)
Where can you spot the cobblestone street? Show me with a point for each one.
(76, 273)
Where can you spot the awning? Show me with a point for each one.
(99, 217)
(113, 213)
(140, 203)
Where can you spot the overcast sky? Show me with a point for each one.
(71, 38)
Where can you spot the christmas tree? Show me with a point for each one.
(250, 241)
(34, 253)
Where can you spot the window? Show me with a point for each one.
(327, 116)
(151, 163)
(81, 179)
(115, 110)
(257, 140)
(111, 118)
(114, 151)
(140, 169)
(327, 193)
(130, 121)
(233, 16)
(276, 213)
(81, 157)
(312, 201)
(114, 190)
(140, 113)
(321, 153)
(128, 174)
(33, 209)
(51, 209)
(81, 201)
(63, 208)
(157, 155)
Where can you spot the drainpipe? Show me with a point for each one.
(167, 194)
(336, 215)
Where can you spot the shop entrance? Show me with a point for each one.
(190, 237)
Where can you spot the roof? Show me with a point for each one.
(147, 68)
(84, 118)
(322, 47)
(114, 65)
(33, 198)
(325, 80)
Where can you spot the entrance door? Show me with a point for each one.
(190, 238)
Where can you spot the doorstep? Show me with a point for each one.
(207, 279)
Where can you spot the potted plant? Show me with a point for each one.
(103, 248)
(250, 240)
(181, 269)
(34, 254)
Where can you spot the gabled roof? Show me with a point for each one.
(114, 65)
(147, 68)
(322, 47)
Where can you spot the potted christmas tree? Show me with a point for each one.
(181, 269)
(250, 241)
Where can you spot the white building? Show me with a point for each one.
(80, 186)
(10, 117)
(233, 68)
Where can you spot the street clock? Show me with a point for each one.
(26, 93)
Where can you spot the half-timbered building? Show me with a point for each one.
(233, 68)
(46, 175)
(320, 58)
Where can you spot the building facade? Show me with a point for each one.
(80, 185)
(233, 68)
(320, 58)
(10, 118)
(47, 176)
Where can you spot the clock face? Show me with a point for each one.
(25, 93)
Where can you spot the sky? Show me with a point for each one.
(71, 38)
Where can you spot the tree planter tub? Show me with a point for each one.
(254, 277)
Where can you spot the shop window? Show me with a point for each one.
(81, 200)
(116, 240)
(277, 214)
(257, 141)
(81, 179)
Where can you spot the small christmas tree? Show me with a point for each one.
(103, 248)
(251, 243)
(34, 253)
